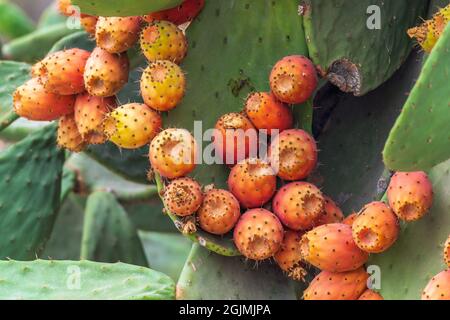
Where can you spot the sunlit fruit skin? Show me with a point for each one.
(132, 125)
(350, 219)
(370, 295)
(106, 73)
(252, 182)
(438, 288)
(62, 72)
(89, 23)
(267, 113)
(447, 252)
(337, 286)
(331, 213)
(235, 138)
(376, 228)
(183, 197)
(163, 40)
(293, 154)
(258, 234)
(299, 205)
(173, 153)
(219, 212)
(33, 102)
(293, 79)
(163, 85)
(331, 248)
(117, 34)
(68, 136)
(410, 195)
(185, 12)
(289, 257)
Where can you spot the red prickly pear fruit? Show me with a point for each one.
(163, 85)
(62, 72)
(267, 113)
(68, 135)
(331, 213)
(90, 114)
(331, 248)
(117, 34)
(235, 138)
(337, 286)
(132, 125)
(252, 182)
(173, 153)
(350, 219)
(33, 102)
(410, 195)
(370, 295)
(183, 197)
(376, 228)
(36, 69)
(299, 205)
(185, 12)
(162, 40)
(438, 288)
(106, 73)
(293, 154)
(258, 234)
(64, 7)
(89, 23)
(447, 252)
(289, 257)
(293, 79)
(219, 212)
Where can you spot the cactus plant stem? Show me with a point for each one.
(8, 119)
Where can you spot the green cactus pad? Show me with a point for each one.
(68, 183)
(50, 16)
(81, 280)
(420, 138)
(13, 21)
(351, 55)
(30, 178)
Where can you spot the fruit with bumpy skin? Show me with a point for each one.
(267, 113)
(258, 234)
(90, 114)
(105, 73)
(117, 34)
(62, 72)
(438, 288)
(185, 12)
(331, 248)
(293, 79)
(337, 286)
(219, 212)
(376, 228)
(331, 213)
(252, 182)
(173, 153)
(293, 154)
(350, 219)
(299, 205)
(33, 102)
(162, 40)
(183, 197)
(132, 125)
(289, 257)
(36, 69)
(68, 135)
(370, 295)
(64, 7)
(89, 23)
(163, 85)
(235, 138)
(410, 195)
(447, 252)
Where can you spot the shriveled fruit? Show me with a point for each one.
(185, 12)
(68, 135)
(289, 257)
(371, 295)
(183, 197)
(438, 288)
(331, 213)
(117, 34)
(447, 252)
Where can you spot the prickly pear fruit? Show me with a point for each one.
(293, 154)
(370, 295)
(90, 114)
(267, 113)
(219, 212)
(89, 23)
(173, 153)
(68, 135)
(410, 195)
(447, 252)
(438, 288)
(33, 102)
(252, 182)
(258, 234)
(183, 197)
(105, 73)
(289, 257)
(117, 34)
(299, 205)
(64, 7)
(36, 69)
(331, 248)
(132, 125)
(331, 213)
(185, 12)
(350, 219)
(337, 286)
(235, 138)
(162, 40)
(62, 72)
(293, 79)
(163, 85)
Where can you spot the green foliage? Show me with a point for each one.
(123, 8)
(14, 22)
